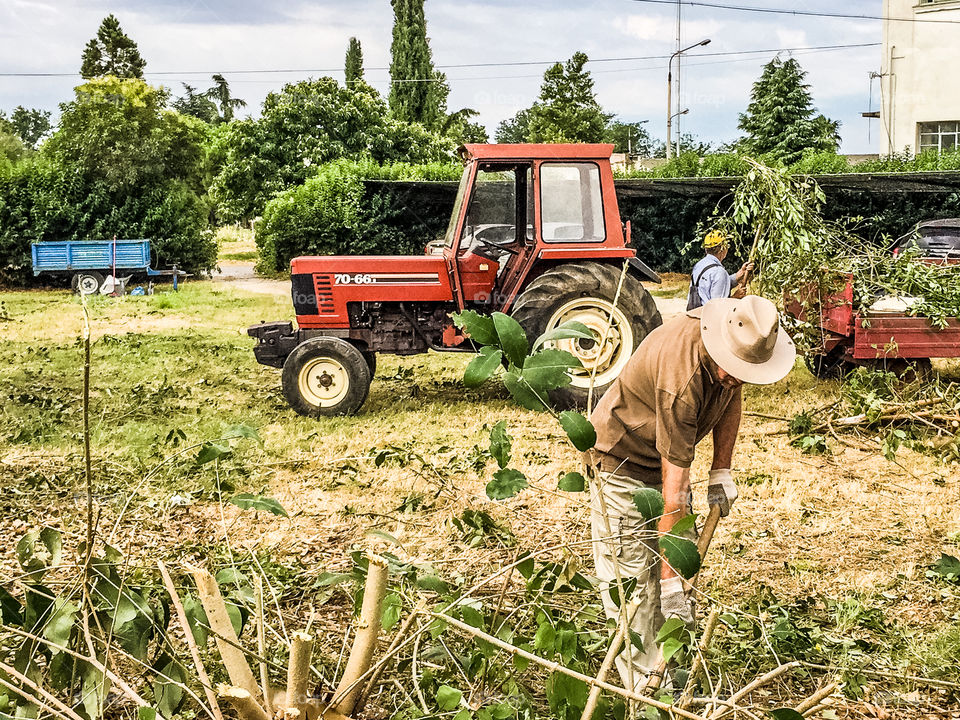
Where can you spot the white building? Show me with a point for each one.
(920, 76)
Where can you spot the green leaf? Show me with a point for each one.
(947, 567)
(433, 584)
(670, 648)
(649, 502)
(525, 567)
(247, 501)
(448, 698)
(572, 482)
(500, 443)
(235, 615)
(505, 484)
(241, 431)
(785, 714)
(636, 639)
(11, 611)
(392, 605)
(580, 430)
(563, 690)
(212, 451)
(472, 616)
(479, 327)
(548, 370)
(167, 694)
(326, 579)
(513, 339)
(60, 624)
(682, 554)
(546, 637)
(684, 525)
(672, 628)
(94, 691)
(522, 394)
(146, 713)
(482, 366)
(39, 550)
(196, 619)
(570, 329)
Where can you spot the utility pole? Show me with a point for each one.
(670, 114)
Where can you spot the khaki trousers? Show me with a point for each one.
(621, 543)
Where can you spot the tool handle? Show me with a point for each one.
(703, 544)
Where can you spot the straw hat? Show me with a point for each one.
(744, 337)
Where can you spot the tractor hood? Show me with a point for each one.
(323, 286)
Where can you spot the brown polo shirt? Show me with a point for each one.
(665, 401)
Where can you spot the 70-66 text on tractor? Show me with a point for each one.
(535, 232)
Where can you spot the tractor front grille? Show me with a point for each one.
(323, 285)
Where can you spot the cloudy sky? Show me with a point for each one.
(507, 42)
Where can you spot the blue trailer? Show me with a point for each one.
(90, 261)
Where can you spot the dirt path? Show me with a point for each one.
(242, 276)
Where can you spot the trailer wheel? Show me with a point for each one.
(87, 282)
(325, 376)
(585, 292)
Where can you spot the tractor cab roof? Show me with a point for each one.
(537, 151)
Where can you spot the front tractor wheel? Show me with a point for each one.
(585, 292)
(326, 376)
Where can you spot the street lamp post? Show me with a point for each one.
(670, 114)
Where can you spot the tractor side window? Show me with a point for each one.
(571, 205)
(492, 216)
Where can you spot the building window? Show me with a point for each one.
(939, 136)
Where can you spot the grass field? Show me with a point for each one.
(824, 558)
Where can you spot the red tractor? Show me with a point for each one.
(535, 232)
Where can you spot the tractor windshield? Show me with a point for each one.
(457, 205)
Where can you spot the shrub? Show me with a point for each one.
(347, 209)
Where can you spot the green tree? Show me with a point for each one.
(353, 63)
(418, 93)
(11, 147)
(112, 52)
(567, 110)
(196, 105)
(459, 127)
(303, 126)
(117, 133)
(780, 121)
(220, 95)
(515, 129)
(629, 138)
(28, 124)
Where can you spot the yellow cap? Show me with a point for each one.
(714, 238)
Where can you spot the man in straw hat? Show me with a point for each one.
(681, 384)
(709, 280)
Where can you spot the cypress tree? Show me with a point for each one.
(112, 52)
(780, 119)
(418, 93)
(353, 64)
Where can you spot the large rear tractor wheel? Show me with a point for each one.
(326, 376)
(87, 282)
(585, 292)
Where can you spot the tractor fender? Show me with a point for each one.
(639, 268)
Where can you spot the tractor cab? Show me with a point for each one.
(535, 231)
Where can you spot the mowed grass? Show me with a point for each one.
(840, 542)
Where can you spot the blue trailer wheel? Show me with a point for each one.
(87, 282)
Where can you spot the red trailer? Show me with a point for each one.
(893, 339)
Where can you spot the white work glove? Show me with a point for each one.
(722, 490)
(675, 603)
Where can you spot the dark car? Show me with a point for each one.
(934, 239)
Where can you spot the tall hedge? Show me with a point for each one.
(354, 207)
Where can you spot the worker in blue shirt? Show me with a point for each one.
(710, 280)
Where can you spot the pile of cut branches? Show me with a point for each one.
(877, 410)
(776, 221)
